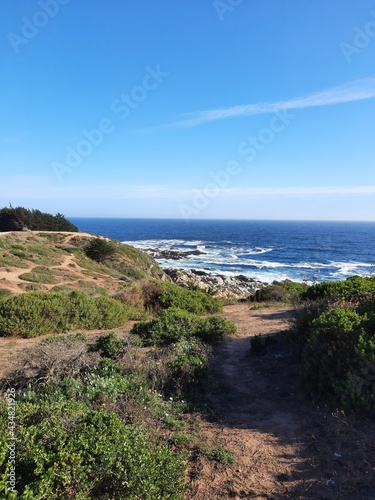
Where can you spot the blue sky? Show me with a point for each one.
(197, 109)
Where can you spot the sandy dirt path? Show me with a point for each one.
(284, 445)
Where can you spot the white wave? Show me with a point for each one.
(255, 251)
(350, 268)
(165, 244)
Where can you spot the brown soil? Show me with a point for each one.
(284, 445)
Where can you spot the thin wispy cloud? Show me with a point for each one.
(297, 191)
(38, 191)
(356, 90)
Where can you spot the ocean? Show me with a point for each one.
(262, 249)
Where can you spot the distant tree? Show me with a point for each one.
(18, 218)
(99, 249)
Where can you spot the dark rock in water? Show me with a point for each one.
(199, 273)
(245, 279)
(171, 254)
(220, 285)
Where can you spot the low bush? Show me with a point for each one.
(109, 345)
(187, 363)
(339, 359)
(159, 296)
(5, 294)
(194, 301)
(353, 288)
(36, 313)
(334, 331)
(174, 324)
(283, 291)
(67, 450)
(170, 326)
(330, 348)
(215, 328)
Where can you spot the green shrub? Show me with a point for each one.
(171, 325)
(194, 301)
(283, 291)
(168, 295)
(109, 345)
(187, 363)
(36, 313)
(109, 367)
(5, 294)
(214, 329)
(359, 392)
(353, 288)
(66, 450)
(99, 249)
(112, 313)
(330, 352)
(221, 455)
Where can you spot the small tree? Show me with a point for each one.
(100, 250)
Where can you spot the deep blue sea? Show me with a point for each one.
(264, 250)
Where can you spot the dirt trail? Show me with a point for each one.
(283, 445)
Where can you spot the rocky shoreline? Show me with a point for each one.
(238, 287)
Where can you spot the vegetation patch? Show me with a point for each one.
(334, 330)
(173, 324)
(5, 294)
(99, 249)
(287, 291)
(40, 275)
(8, 259)
(221, 455)
(36, 313)
(94, 423)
